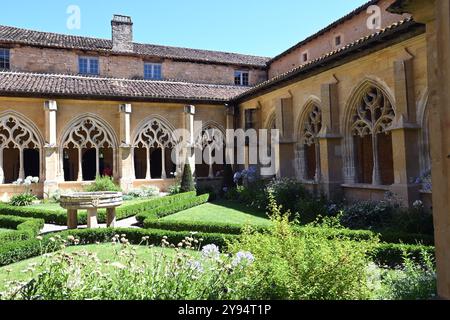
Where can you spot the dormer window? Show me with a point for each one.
(152, 71)
(88, 66)
(4, 59)
(241, 78)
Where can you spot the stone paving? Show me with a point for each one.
(125, 223)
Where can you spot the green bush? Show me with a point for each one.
(103, 184)
(414, 280)
(21, 228)
(175, 189)
(15, 251)
(23, 199)
(391, 254)
(175, 207)
(59, 216)
(308, 267)
(187, 181)
(162, 202)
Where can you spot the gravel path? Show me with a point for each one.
(125, 223)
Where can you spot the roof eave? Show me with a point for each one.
(390, 37)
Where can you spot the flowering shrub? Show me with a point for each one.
(26, 198)
(144, 192)
(311, 266)
(246, 176)
(425, 180)
(411, 281)
(177, 275)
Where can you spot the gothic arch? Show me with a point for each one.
(370, 111)
(307, 150)
(18, 133)
(90, 133)
(210, 139)
(152, 140)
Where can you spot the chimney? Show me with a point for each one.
(122, 33)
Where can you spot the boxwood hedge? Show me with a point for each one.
(14, 251)
(59, 216)
(21, 228)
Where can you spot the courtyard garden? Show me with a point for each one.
(251, 240)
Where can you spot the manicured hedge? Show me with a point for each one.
(14, 251)
(21, 228)
(172, 208)
(59, 216)
(163, 203)
(390, 254)
(408, 238)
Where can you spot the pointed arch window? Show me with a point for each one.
(152, 151)
(309, 148)
(20, 150)
(210, 152)
(371, 122)
(88, 151)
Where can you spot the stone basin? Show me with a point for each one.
(91, 201)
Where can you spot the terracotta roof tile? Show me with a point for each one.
(35, 84)
(47, 39)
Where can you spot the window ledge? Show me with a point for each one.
(366, 186)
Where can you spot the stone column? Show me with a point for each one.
(330, 142)
(405, 134)
(189, 152)
(435, 14)
(285, 155)
(52, 174)
(72, 219)
(110, 217)
(230, 116)
(126, 166)
(92, 222)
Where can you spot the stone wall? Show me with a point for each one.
(350, 31)
(44, 60)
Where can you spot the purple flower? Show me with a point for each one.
(243, 258)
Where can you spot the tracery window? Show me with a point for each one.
(372, 139)
(210, 152)
(152, 151)
(309, 145)
(88, 151)
(19, 150)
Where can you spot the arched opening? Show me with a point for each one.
(89, 164)
(11, 165)
(31, 159)
(372, 141)
(308, 148)
(210, 152)
(153, 147)
(19, 150)
(87, 151)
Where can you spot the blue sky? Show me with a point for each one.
(248, 26)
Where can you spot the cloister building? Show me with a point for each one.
(350, 103)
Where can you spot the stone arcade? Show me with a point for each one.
(354, 105)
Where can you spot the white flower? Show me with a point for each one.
(210, 251)
(118, 265)
(35, 180)
(195, 266)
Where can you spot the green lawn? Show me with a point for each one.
(105, 252)
(221, 212)
(5, 230)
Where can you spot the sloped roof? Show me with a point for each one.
(66, 86)
(55, 40)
